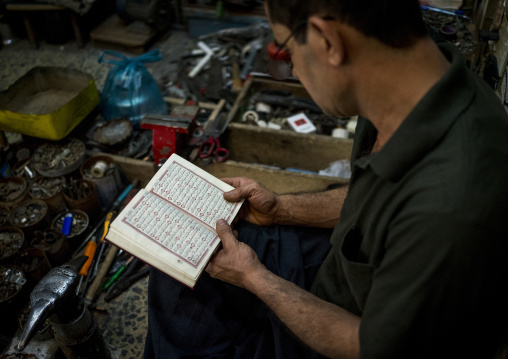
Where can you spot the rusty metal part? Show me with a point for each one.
(12, 190)
(23, 154)
(54, 244)
(23, 169)
(4, 214)
(18, 356)
(112, 133)
(49, 190)
(29, 213)
(34, 262)
(28, 263)
(54, 160)
(78, 189)
(11, 241)
(82, 194)
(12, 279)
(45, 239)
(46, 187)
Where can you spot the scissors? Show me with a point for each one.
(212, 147)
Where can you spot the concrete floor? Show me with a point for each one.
(18, 58)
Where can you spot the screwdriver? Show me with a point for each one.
(90, 253)
(117, 274)
(123, 283)
(107, 222)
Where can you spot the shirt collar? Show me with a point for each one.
(428, 121)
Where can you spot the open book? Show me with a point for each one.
(170, 224)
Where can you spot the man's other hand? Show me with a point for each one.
(261, 205)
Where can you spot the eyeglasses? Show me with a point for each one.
(280, 69)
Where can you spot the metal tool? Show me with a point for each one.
(90, 250)
(116, 204)
(458, 13)
(54, 297)
(102, 244)
(125, 282)
(12, 279)
(212, 147)
(11, 241)
(120, 271)
(106, 264)
(285, 99)
(165, 130)
(208, 55)
(97, 282)
(255, 45)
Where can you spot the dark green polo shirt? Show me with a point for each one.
(421, 248)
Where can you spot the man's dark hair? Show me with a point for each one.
(397, 23)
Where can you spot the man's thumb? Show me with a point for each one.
(225, 232)
(234, 195)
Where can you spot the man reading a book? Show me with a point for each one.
(411, 259)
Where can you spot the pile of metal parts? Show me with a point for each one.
(280, 109)
(216, 68)
(46, 214)
(12, 279)
(10, 243)
(58, 159)
(46, 187)
(28, 213)
(77, 190)
(456, 29)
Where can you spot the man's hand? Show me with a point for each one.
(323, 326)
(235, 260)
(261, 205)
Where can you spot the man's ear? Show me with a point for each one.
(326, 40)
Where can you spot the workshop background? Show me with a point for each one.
(96, 95)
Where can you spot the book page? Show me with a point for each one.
(194, 191)
(170, 228)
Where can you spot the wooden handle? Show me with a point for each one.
(97, 282)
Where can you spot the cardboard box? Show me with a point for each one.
(48, 102)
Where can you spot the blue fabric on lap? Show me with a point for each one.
(219, 320)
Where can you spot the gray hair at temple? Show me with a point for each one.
(396, 23)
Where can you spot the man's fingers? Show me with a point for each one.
(242, 185)
(225, 233)
(234, 181)
(240, 193)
